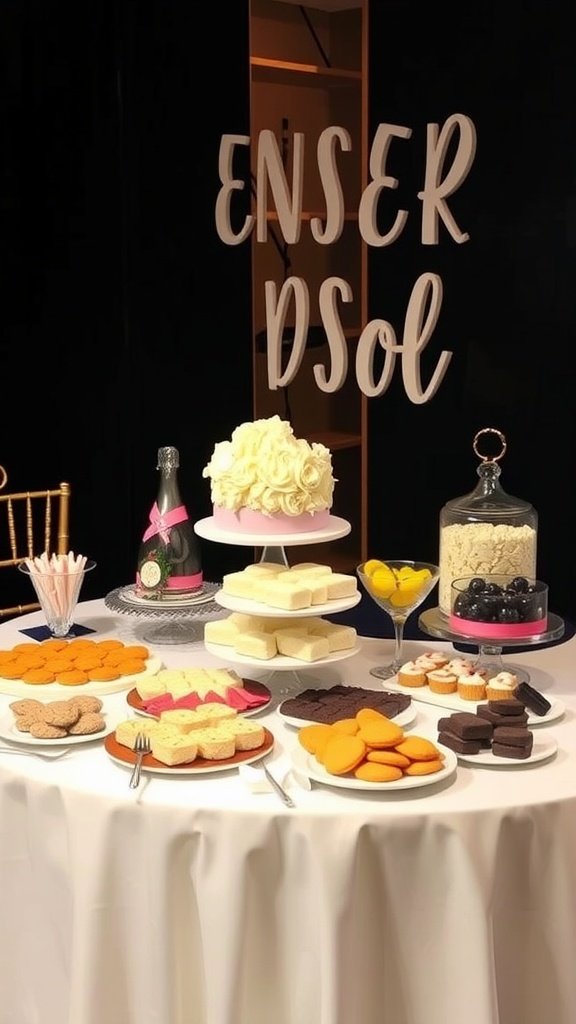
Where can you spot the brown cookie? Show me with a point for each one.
(62, 713)
(45, 731)
(24, 706)
(88, 723)
(87, 703)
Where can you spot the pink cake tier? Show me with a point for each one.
(247, 520)
(497, 631)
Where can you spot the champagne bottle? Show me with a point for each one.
(169, 563)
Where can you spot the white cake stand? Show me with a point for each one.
(285, 673)
(273, 544)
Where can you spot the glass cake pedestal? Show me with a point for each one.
(489, 658)
(182, 622)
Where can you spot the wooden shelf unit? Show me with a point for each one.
(308, 72)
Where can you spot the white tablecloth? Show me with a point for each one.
(197, 901)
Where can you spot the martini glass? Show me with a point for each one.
(398, 586)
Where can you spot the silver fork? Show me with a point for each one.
(141, 747)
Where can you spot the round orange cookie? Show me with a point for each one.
(417, 748)
(348, 726)
(134, 651)
(80, 644)
(369, 715)
(86, 661)
(314, 737)
(388, 757)
(6, 656)
(342, 754)
(53, 644)
(383, 733)
(424, 767)
(103, 674)
(12, 670)
(25, 648)
(109, 645)
(58, 663)
(38, 676)
(131, 666)
(370, 771)
(73, 677)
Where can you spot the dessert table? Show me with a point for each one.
(197, 900)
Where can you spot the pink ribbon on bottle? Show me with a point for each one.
(162, 524)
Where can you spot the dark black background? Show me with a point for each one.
(125, 322)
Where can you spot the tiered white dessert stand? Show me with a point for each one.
(435, 623)
(273, 550)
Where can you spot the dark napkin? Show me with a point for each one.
(43, 633)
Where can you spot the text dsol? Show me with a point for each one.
(425, 301)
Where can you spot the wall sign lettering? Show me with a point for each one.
(439, 183)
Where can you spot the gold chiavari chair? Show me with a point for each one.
(30, 522)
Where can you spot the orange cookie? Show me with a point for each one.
(135, 651)
(424, 767)
(73, 677)
(58, 663)
(81, 644)
(12, 670)
(343, 754)
(131, 666)
(312, 737)
(38, 676)
(87, 661)
(109, 645)
(370, 771)
(381, 733)
(369, 715)
(25, 648)
(103, 674)
(388, 757)
(417, 748)
(31, 661)
(348, 726)
(6, 656)
(53, 644)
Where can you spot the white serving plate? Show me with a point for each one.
(244, 604)
(279, 662)
(308, 765)
(57, 691)
(453, 702)
(405, 717)
(9, 732)
(541, 751)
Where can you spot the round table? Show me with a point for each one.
(196, 900)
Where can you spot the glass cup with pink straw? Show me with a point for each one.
(57, 580)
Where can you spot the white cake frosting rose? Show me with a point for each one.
(264, 479)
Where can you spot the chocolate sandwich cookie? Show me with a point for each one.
(466, 725)
(492, 716)
(514, 753)
(511, 706)
(533, 699)
(457, 744)
(513, 736)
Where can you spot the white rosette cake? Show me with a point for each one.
(266, 480)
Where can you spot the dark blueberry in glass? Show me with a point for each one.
(519, 585)
(493, 588)
(476, 585)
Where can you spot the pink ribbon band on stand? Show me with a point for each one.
(161, 524)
